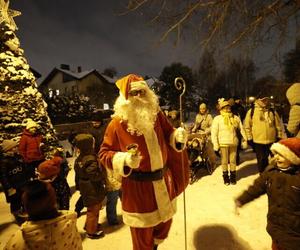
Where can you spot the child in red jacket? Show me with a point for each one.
(29, 147)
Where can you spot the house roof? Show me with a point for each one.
(76, 75)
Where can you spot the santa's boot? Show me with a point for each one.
(155, 247)
(226, 178)
(233, 177)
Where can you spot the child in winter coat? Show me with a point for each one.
(224, 138)
(47, 227)
(55, 171)
(29, 147)
(90, 180)
(281, 182)
(13, 176)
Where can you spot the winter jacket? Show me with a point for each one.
(264, 127)
(89, 176)
(59, 233)
(12, 172)
(283, 190)
(29, 147)
(293, 96)
(203, 123)
(223, 135)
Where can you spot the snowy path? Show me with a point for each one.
(211, 222)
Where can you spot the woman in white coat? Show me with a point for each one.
(224, 138)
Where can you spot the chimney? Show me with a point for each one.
(79, 69)
(65, 66)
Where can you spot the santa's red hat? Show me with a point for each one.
(289, 149)
(125, 83)
(50, 168)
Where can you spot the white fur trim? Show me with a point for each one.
(138, 85)
(285, 152)
(118, 163)
(148, 219)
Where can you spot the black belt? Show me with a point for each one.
(148, 176)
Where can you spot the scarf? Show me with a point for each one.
(228, 119)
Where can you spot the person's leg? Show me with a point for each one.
(232, 161)
(92, 216)
(79, 206)
(224, 164)
(161, 231)
(111, 207)
(142, 238)
(262, 154)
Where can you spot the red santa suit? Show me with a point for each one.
(147, 203)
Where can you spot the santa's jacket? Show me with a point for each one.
(146, 203)
(59, 233)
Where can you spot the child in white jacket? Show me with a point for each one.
(224, 138)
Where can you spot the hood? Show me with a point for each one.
(60, 230)
(84, 142)
(293, 94)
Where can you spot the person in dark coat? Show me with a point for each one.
(13, 177)
(90, 181)
(281, 182)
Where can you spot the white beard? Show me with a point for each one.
(139, 112)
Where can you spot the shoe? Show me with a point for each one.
(96, 235)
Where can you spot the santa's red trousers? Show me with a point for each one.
(143, 238)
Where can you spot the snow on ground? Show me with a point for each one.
(211, 223)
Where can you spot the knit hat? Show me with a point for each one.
(222, 103)
(39, 200)
(7, 145)
(289, 149)
(50, 168)
(203, 106)
(126, 83)
(31, 124)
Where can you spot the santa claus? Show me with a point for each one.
(143, 148)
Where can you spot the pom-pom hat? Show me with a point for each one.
(31, 124)
(129, 82)
(289, 149)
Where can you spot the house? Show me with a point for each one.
(63, 81)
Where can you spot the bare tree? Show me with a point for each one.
(225, 22)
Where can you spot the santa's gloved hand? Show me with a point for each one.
(133, 160)
(181, 135)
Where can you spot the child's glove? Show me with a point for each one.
(11, 191)
(181, 135)
(133, 160)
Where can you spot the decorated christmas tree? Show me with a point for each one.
(20, 99)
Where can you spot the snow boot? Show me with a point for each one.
(226, 178)
(233, 177)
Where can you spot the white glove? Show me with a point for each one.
(181, 135)
(133, 160)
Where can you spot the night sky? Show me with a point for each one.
(92, 35)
